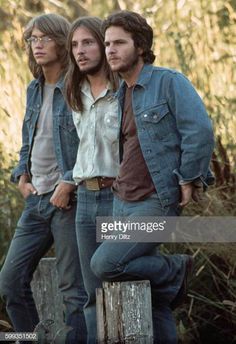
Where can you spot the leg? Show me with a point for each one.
(164, 329)
(134, 261)
(90, 205)
(120, 261)
(31, 241)
(69, 273)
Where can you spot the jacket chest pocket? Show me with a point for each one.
(66, 123)
(67, 129)
(159, 122)
(30, 121)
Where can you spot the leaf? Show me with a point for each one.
(5, 324)
(229, 303)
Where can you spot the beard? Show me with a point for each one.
(129, 65)
(93, 70)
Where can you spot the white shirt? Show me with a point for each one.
(98, 131)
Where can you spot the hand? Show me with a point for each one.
(61, 195)
(189, 192)
(25, 186)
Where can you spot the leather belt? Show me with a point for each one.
(97, 183)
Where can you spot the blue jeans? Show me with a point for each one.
(39, 226)
(123, 261)
(90, 205)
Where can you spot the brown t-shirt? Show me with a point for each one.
(134, 182)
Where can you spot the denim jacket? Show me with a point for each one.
(174, 130)
(64, 132)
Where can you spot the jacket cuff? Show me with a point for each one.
(17, 172)
(198, 180)
(68, 177)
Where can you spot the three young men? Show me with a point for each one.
(44, 175)
(166, 140)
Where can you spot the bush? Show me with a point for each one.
(10, 208)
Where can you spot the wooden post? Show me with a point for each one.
(47, 298)
(124, 313)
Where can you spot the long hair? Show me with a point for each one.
(141, 32)
(74, 78)
(57, 28)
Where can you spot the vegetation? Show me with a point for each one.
(196, 37)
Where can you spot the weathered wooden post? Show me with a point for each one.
(47, 298)
(124, 313)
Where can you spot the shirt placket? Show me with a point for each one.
(92, 127)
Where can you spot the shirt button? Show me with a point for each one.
(108, 120)
(155, 116)
(93, 106)
(145, 115)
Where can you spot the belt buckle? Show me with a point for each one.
(92, 184)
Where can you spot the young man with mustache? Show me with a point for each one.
(167, 142)
(90, 87)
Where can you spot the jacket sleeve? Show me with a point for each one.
(67, 177)
(21, 167)
(195, 130)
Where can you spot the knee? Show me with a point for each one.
(102, 267)
(97, 266)
(4, 288)
(8, 289)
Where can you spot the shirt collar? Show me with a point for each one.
(85, 88)
(59, 84)
(144, 76)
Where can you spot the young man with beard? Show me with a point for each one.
(90, 90)
(44, 176)
(167, 142)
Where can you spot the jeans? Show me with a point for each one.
(39, 226)
(123, 261)
(90, 205)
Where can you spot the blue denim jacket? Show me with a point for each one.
(174, 130)
(64, 132)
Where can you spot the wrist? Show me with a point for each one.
(24, 178)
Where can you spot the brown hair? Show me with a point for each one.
(56, 27)
(74, 77)
(141, 32)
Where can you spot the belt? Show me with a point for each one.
(97, 183)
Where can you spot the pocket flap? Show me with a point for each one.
(156, 113)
